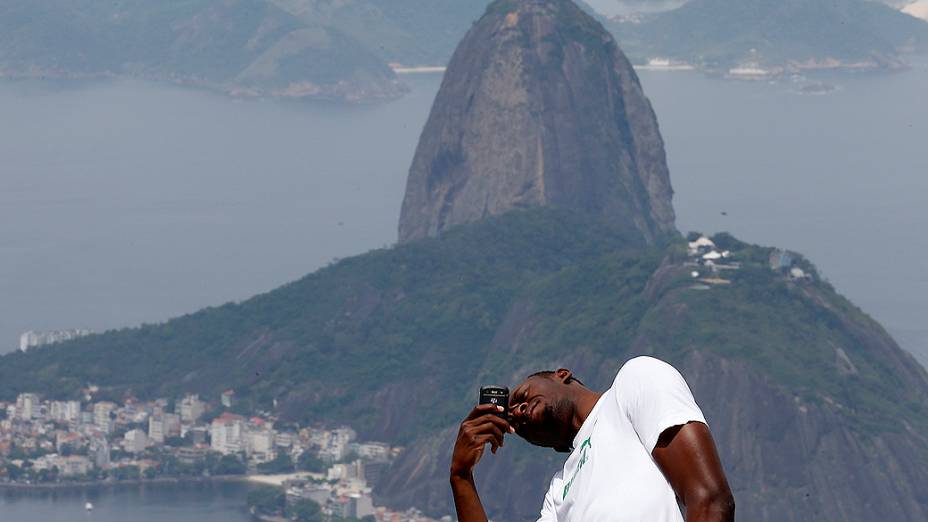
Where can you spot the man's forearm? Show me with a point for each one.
(466, 501)
(715, 509)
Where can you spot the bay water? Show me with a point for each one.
(124, 202)
(186, 502)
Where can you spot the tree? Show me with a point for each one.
(308, 461)
(305, 510)
(126, 473)
(266, 500)
(281, 464)
(14, 472)
(229, 465)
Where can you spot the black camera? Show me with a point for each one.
(498, 395)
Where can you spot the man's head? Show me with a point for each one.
(543, 408)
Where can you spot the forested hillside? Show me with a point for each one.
(799, 386)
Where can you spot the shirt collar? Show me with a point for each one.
(587, 427)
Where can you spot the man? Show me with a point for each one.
(635, 449)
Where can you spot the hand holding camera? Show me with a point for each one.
(486, 424)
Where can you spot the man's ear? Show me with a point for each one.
(564, 375)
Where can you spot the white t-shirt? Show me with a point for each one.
(610, 476)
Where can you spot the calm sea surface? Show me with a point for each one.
(219, 502)
(125, 202)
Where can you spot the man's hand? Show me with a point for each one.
(687, 456)
(481, 427)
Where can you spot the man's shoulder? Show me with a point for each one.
(643, 367)
(557, 479)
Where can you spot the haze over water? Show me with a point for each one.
(123, 203)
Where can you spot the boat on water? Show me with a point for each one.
(88, 506)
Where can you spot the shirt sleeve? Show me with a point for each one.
(655, 397)
(548, 511)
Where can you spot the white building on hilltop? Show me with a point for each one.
(701, 245)
(33, 339)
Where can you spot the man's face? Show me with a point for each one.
(540, 410)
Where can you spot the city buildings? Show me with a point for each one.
(227, 434)
(191, 408)
(33, 339)
(27, 406)
(135, 441)
(57, 441)
(162, 426)
(103, 416)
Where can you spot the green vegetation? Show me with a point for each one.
(305, 510)
(308, 461)
(266, 500)
(281, 464)
(271, 501)
(225, 465)
(484, 302)
(783, 329)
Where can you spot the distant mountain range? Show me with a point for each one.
(789, 34)
(409, 32)
(340, 50)
(320, 49)
(244, 47)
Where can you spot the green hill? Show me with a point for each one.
(246, 47)
(798, 33)
(411, 32)
(812, 404)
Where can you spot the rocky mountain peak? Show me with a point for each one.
(539, 106)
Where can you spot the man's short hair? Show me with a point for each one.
(550, 374)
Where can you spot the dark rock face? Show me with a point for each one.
(539, 107)
(789, 455)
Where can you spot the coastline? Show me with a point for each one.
(93, 484)
(347, 92)
(437, 69)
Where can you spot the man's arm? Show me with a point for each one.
(688, 458)
(480, 428)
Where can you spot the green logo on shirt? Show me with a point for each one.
(584, 456)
